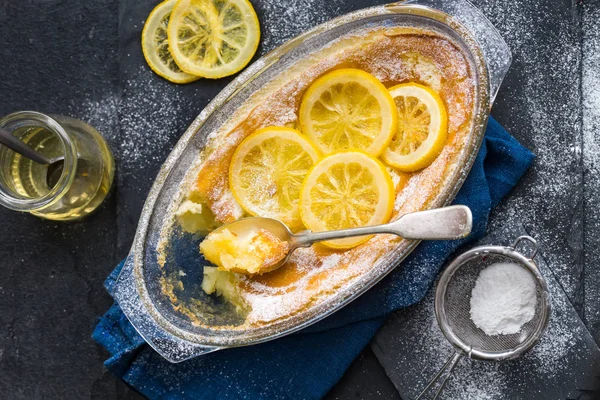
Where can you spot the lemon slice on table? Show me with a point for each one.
(348, 109)
(267, 170)
(213, 38)
(422, 127)
(346, 190)
(155, 45)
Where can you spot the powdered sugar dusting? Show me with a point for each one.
(591, 162)
(503, 299)
(544, 115)
(282, 20)
(102, 114)
(150, 113)
(140, 125)
(591, 105)
(320, 275)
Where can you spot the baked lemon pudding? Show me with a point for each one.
(358, 133)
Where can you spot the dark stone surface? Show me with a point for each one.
(365, 379)
(83, 59)
(56, 56)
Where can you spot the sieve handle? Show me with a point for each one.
(534, 245)
(448, 366)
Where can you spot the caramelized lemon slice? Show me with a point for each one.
(213, 38)
(348, 109)
(156, 47)
(267, 170)
(422, 127)
(346, 190)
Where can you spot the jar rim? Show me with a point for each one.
(20, 119)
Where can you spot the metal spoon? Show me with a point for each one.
(55, 165)
(453, 222)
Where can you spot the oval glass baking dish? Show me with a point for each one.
(139, 286)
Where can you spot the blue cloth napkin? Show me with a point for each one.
(306, 365)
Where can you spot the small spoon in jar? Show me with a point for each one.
(55, 165)
(446, 223)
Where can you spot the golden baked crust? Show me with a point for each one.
(394, 56)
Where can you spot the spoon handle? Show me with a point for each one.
(7, 139)
(444, 223)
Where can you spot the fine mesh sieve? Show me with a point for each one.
(452, 308)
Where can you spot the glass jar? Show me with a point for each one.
(78, 184)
